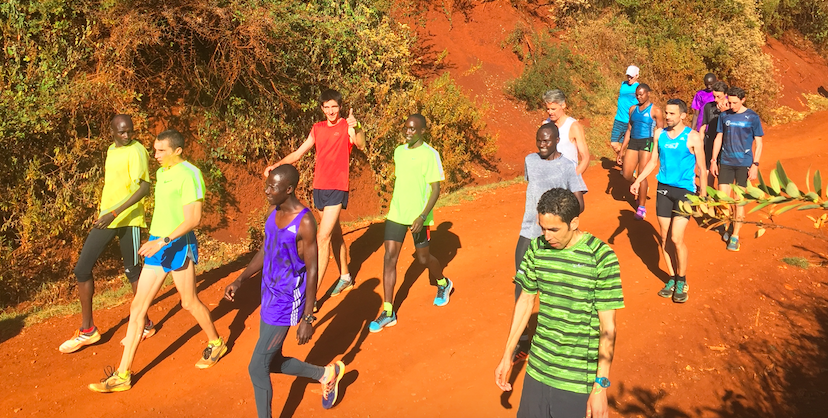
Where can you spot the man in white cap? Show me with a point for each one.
(626, 99)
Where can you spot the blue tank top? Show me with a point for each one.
(626, 98)
(283, 273)
(677, 163)
(643, 124)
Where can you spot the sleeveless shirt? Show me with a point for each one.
(283, 273)
(677, 163)
(566, 147)
(643, 124)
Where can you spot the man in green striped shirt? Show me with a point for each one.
(578, 282)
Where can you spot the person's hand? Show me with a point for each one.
(417, 225)
(304, 332)
(619, 158)
(634, 188)
(352, 121)
(753, 172)
(103, 221)
(714, 168)
(502, 374)
(597, 404)
(723, 105)
(151, 247)
(230, 290)
(270, 167)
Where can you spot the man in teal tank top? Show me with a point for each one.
(678, 150)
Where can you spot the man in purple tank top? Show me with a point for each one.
(288, 263)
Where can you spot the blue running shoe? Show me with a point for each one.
(330, 389)
(668, 289)
(341, 286)
(443, 293)
(383, 320)
(733, 244)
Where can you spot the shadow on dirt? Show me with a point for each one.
(617, 186)
(772, 378)
(348, 328)
(443, 246)
(11, 327)
(644, 240)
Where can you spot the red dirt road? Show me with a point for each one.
(751, 341)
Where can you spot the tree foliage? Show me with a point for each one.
(242, 77)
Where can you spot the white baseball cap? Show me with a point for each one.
(632, 71)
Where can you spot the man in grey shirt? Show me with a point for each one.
(544, 170)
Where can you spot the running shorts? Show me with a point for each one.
(174, 255)
(327, 197)
(667, 199)
(396, 232)
(619, 129)
(641, 144)
(729, 174)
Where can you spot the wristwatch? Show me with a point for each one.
(423, 217)
(167, 240)
(309, 318)
(603, 382)
(756, 163)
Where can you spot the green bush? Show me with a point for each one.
(240, 76)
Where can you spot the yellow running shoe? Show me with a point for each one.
(112, 383)
(80, 339)
(212, 354)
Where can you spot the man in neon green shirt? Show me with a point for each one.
(418, 172)
(126, 183)
(172, 247)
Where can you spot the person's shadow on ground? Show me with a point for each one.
(348, 328)
(644, 240)
(617, 186)
(363, 247)
(443, 246)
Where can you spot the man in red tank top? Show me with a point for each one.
(334, 137)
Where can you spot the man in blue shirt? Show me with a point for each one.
(737, 131)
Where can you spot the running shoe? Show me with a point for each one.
(521, 349)
(680, 295)
(668, 289)
(212, 354)
(80, 339)
(384, 319)
(330, 389)
(726, 234)
(641, 213)
(342, 286)
(149, 330)
(112, 382)
(443, 293)
(733, 244)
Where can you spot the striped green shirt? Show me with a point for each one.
(573, 284)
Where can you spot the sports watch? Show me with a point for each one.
(603, 382)
(167, 240)
(309, 318)
(756, 163)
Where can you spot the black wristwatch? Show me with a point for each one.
(756, 163)
(167, 240)
(309, 318)
(423, 217)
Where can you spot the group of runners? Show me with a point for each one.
(574, 275)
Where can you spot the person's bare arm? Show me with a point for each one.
(717, 147)
(580, 197)
(192, 217)
(310, 254)
(523, 310)
(104, 220)
(255, 266)
(417, 224)
(620, 157)
(658, 115)
(295, 155)
(355, 132)
(757, 153)
(597, 403)
(696, 145)
(577, 131)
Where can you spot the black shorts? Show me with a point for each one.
(327, 197)
(667, 198)
(396, 232)
(542, 401)
(729, 174)
(641, 144)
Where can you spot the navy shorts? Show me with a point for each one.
(729, 174)
(667, 198)
(174, 255)
(619, 130)
(327, 197)
(396, 232)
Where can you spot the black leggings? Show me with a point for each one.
(270, 346)
(520, 251)
(130, 239)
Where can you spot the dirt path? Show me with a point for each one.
(751, 341)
